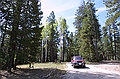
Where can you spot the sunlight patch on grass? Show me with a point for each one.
(45, 65)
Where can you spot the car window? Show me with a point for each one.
(78, 58)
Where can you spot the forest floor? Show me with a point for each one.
(39, 71)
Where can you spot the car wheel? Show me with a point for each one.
(73, 66)
(84, 66)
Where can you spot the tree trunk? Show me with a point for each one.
(110, 34)
(63, 48)
(51, 52)
(43, 54)
(10, 65)
(2, 43)
(46, 51)
(115, 57)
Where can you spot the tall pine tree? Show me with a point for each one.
(89, 31)
(113, 23)
(63, 34)
(23, 30)
(53, 36)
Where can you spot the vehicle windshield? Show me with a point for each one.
(78, 58)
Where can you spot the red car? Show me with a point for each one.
(77, 61)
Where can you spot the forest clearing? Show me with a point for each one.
(25, 38)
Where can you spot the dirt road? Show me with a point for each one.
(90, 72)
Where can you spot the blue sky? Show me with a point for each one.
(67, 9)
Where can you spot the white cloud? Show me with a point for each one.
(102, 9)
(70, 17)
(57, 7)
(65, 7)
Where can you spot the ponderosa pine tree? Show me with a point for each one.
(113, 23)
(106, 44)
(70, 46)
(63, 33)
(5, 21)
(80, 14)
(53, 37)
(46, 32)
(89, 31)
(23, 30)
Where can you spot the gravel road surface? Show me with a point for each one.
(90, 72)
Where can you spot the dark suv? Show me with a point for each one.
(77, 61)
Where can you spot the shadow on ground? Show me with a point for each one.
(45, 73)
(81, 68)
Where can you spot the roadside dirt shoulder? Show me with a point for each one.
(114, 67)
(92, 71)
